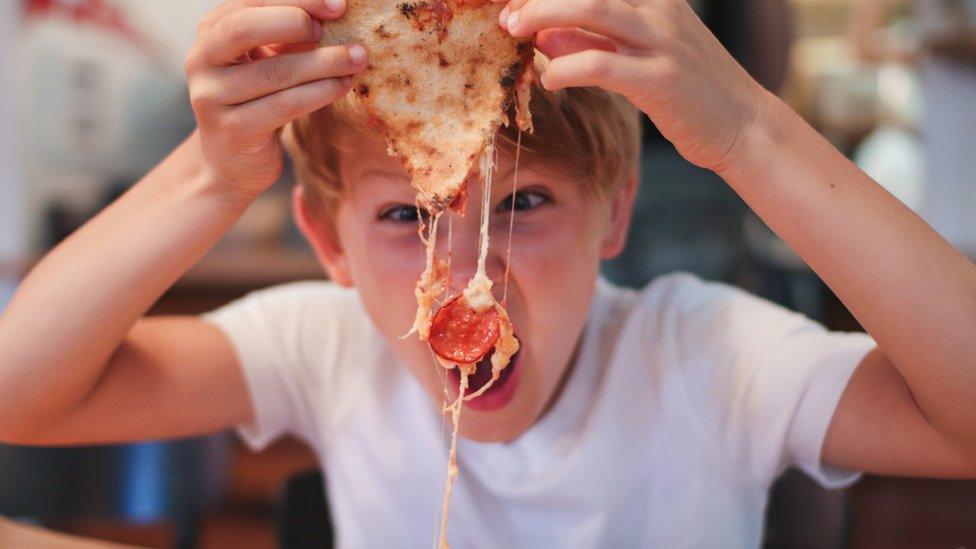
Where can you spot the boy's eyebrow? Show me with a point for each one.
(504, 176)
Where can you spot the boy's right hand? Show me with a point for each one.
(254, 68)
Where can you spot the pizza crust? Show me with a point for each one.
(440, 79)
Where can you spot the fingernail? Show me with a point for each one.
(503, 17)
(512, 21)
(334, 6)
(357, 55)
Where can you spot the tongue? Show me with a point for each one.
(481, 376)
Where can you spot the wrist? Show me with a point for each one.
(206, 181)
(760, 137)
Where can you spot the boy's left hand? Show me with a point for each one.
(656, 53)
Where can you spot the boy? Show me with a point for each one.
(656, 418)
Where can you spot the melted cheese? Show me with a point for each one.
(432, 284)
(452, 468)
(477, 295)
(511, 219)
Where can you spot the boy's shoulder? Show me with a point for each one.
(683, 322)
(683, 303)
(303, 289)
(759, 380)
(299, 315)
(301, 298)
(718, 339)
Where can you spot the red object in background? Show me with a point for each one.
(99, 13)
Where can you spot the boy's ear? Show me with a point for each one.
(621, 211)
(322, 236)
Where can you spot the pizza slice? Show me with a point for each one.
(440, 78)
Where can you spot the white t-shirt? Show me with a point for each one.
(688, 399)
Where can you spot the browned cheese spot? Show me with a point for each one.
(407, 9)
(511, 75)
(434, 15)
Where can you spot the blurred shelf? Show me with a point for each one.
(221, 276)
(244, 267)
(228, 274)
(820, 17)
(251, 268)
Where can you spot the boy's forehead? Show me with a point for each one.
(367, 170)
(363, 154)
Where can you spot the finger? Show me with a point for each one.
(559, 42)
(274, 111)
(263, 52)
(611, 71)
(243, 83)
(249, 28)
(614, 19)
(280, 49)
(512, 5)
(319, 9)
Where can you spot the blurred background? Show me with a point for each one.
(92, 95)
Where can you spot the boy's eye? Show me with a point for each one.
(402, 213)
(524, 200)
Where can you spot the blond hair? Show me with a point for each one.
(587, 134)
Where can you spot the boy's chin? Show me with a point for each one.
(502, 413)
(495, 426)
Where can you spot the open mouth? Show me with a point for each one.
(500, 393)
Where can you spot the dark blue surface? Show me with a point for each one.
(138, 483)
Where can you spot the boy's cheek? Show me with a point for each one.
(385, 281)
(553, 283)
(555, 255)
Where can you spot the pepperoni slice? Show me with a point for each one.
(462, 335)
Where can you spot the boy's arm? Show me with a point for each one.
(77, 363)
(69, 328)
(910, 409)
(908, 287)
